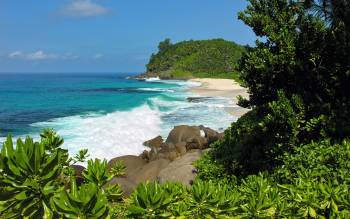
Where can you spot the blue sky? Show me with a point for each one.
(107, 35)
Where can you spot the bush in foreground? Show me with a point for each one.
(35, 176)
(311, 182)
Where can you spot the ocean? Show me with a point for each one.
(106, 113)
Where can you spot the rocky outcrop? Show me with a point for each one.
(198, 99)
(130, 161)
(154, 143)
(180, 140)
(136, 174)
(193, 136)
(171, 160)
(148, 172)
(164, 75)
(181, 170)
(145, 75)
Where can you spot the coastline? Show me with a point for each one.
(170, 159)
(226, 88)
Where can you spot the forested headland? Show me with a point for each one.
(215, 58)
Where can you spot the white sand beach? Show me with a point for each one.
(221, 88)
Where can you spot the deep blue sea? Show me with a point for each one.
(104, 112)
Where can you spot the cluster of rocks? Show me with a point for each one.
(180, 140)
(169, 160)
(164, 75)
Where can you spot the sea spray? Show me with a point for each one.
(110, 135)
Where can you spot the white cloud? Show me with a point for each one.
(83, 8)
(38, 55)
(16, 54)
(41, 55)
(69, 56)
(98, 56)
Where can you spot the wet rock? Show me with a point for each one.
(154, 143)
(198, 99)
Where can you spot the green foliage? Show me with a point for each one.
(301, 54)
(151, 200)
(259, 197)
(202, 58)
(113, 193)
(118, 169)
(319, 161)
(212, 170)
(97, 172)
(259, 138)
(297, 76)
(81, 156)
(312, 182)
(28, 176)
(207, 199)
(34, 177)
(86, 202)
(50, 139)
(316, 179)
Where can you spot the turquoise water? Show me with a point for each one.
(104, 112)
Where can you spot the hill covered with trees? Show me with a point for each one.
(289, 157)
(195, 58)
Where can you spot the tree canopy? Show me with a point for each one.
(211, 58)
(304, 54)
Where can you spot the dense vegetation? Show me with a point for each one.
(35, 177)
(295, 134)
(289, 157)
(298, 80)
(196, 58)
(38, 182)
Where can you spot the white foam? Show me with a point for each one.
(160, 102)
(108, 136)
(176, 82)
(156, 89)
(152, 79)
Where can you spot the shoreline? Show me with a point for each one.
(226, 88)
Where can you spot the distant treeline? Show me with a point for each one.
(196, 58)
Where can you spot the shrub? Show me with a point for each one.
(151, 200)
(302, 54)
(86, 202)
(97, 172)
(29, 175)
(319, 161)
(211, 170)
(208, 199)
(259, 138)
(34, 177)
